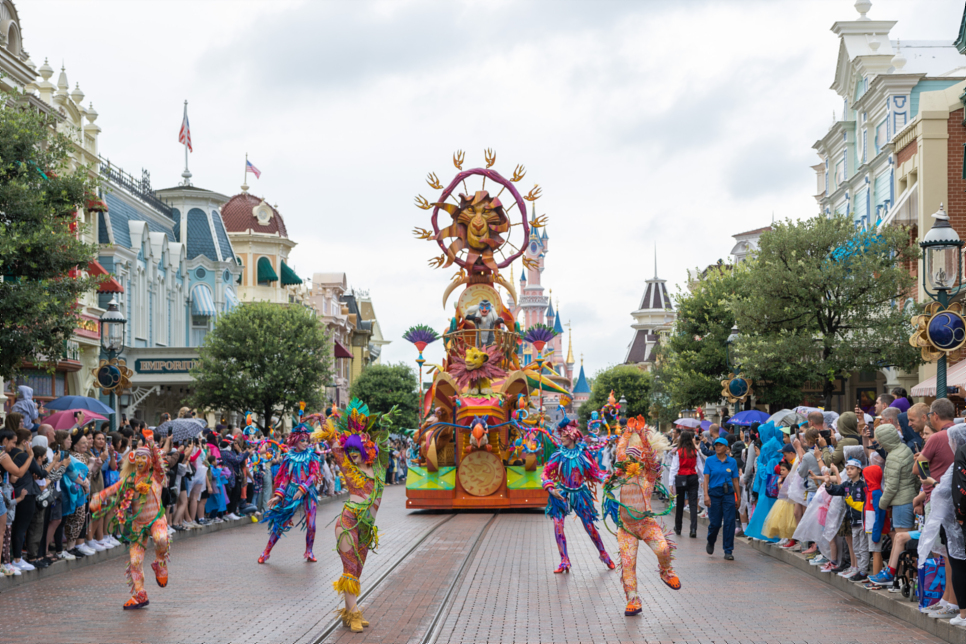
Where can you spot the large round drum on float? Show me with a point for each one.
(481, 473)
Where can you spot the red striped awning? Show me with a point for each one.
(111, 285)
(955, 377)
(341, 351)
(96, 205)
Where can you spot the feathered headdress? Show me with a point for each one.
(354, 428)
(570, 429)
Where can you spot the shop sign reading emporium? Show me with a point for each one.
(164, 366)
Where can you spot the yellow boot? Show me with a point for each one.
(365, 624)
(355, 621)
(343, 614)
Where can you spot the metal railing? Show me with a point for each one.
(506, 341)
(140, 188)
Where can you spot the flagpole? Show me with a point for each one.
(244, 185)
(186, 175)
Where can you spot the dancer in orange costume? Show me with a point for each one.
(636, 473)
(136, 503)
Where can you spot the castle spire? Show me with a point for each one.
(655, 260)
(570, 346)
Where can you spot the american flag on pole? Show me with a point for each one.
(185, 135)
(250, 168)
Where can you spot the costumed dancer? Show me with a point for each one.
(360, 445)
(295, 487)
(138, 513)
(636, 473)
(570, 476)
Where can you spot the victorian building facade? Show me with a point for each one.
(31, 88)
(899, 99)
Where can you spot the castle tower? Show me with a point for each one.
(581, 388)
(654, 317)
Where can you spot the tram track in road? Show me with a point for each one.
(440, 611)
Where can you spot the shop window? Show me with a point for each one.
(60, 383)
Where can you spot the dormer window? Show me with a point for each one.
(263, 213)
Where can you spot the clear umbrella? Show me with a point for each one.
(688, 422)
(786, 418)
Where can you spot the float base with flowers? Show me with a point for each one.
(481, 444)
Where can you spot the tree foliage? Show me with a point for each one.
(265, 358)
(695, 359)
(40, 195)
(623, 380)
(821, 300)
(382, 386)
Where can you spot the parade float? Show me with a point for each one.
(482, 438)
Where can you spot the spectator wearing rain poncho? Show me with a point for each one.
(768, 457)
(942, 522)
(848, 427)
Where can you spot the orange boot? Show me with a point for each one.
(138, 600)
(160, 573)
(669, 578)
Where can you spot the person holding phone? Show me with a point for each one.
(930, 464)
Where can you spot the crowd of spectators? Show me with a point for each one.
(47, 478)
(867, 498)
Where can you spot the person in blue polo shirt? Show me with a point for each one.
(720, 484)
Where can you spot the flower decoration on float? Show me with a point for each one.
(939, 330)
(539, 335)
(421, 335)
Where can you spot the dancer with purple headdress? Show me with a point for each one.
(570, 477)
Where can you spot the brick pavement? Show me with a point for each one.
(217, 591)
(401, 609)
(510, 594)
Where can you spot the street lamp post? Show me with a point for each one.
(112, 341)
(942, 269)
(732, 361)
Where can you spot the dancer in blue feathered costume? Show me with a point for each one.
(768, 457)
(570, 477)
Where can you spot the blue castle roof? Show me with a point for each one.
(582, 387)
(556, 324)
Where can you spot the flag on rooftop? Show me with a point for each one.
(251, 168)
(185, 135)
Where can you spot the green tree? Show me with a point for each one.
(265, 358)
(40, 194)
(623, 380)
(694, 356)
(821, 300)
(382, 386)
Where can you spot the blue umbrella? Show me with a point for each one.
(748, 417)
(79, 402)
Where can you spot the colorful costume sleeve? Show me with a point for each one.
(550, 473)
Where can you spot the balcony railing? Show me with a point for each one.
(140, 188)
(505, 340)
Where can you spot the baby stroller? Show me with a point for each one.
(907, 571)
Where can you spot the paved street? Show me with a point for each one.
(507, 593)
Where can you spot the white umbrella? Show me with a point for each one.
(688, 422)
(786, 417)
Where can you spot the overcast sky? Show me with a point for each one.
(671, 123)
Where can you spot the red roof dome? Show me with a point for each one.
(245, 212)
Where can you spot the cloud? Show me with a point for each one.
(668, 123)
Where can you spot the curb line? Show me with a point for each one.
(61, 567)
